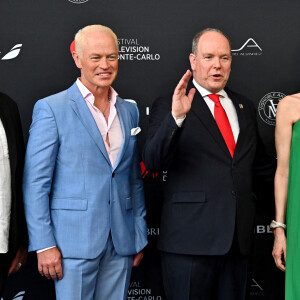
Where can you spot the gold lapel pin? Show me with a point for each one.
(241, 106)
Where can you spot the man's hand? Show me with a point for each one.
(137, 258)
(182, 103)
(49, 264)
(279, 248)
(18, 260)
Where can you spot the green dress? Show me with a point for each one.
(292, 276)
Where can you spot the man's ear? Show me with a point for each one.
(192, 58)
(76, 59)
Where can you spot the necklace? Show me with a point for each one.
(104, 110)
(106, 106)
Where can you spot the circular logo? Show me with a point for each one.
(267, 107)
(78, 1)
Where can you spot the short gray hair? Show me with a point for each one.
(199, 34)
(81, 34)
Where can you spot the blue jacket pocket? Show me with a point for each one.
(69, 203)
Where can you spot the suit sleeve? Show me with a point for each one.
(138, 197)
(38, 171)
(162, 136)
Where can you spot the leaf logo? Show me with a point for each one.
(13, 53)
(130, 100)
(19, 296)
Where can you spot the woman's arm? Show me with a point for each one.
(288, 112)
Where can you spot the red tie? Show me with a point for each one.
(223, 123)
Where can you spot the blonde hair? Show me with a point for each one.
(81, 35)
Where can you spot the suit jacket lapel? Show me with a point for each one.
(242, 122)
(82, 111)
(123, 117)
(201, 110)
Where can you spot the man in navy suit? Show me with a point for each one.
(206, 137)
(83, 191)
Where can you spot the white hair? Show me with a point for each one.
(80, 36)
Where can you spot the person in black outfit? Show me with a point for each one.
(206, 137)
(12, 150)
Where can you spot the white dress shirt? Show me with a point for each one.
(5, 191)
(227, 105)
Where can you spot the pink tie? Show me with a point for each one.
(223, 123)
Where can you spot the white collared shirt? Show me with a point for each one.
(5, 191)
(227, 104)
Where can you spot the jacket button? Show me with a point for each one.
(233, 193)
(109, 202)
(113, 175)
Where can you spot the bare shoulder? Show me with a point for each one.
(288, 109)
(290, 102)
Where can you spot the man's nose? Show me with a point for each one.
(104, 63)
(217, 63)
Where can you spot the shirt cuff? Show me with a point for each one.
(42, 250)
(178, 121)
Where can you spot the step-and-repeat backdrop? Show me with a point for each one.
(155, 41)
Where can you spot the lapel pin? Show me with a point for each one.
(241, 106)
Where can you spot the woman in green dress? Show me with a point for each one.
(286, 250)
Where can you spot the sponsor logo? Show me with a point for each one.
(267, 107)
(78, 1)
(130, 100)
(130, 49)
(137, 292)
(19, 296)
(164, 175)
(145, 172)
(256, 289)
(259, 229)
(72, 47)
(152, 231)
(249, 48)
(13, 52)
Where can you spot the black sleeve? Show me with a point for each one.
(18, 228)
(162, 135)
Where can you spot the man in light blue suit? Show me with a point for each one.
(83, 191)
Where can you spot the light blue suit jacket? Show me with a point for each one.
(73, 196)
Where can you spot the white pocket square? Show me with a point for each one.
(135, 131)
